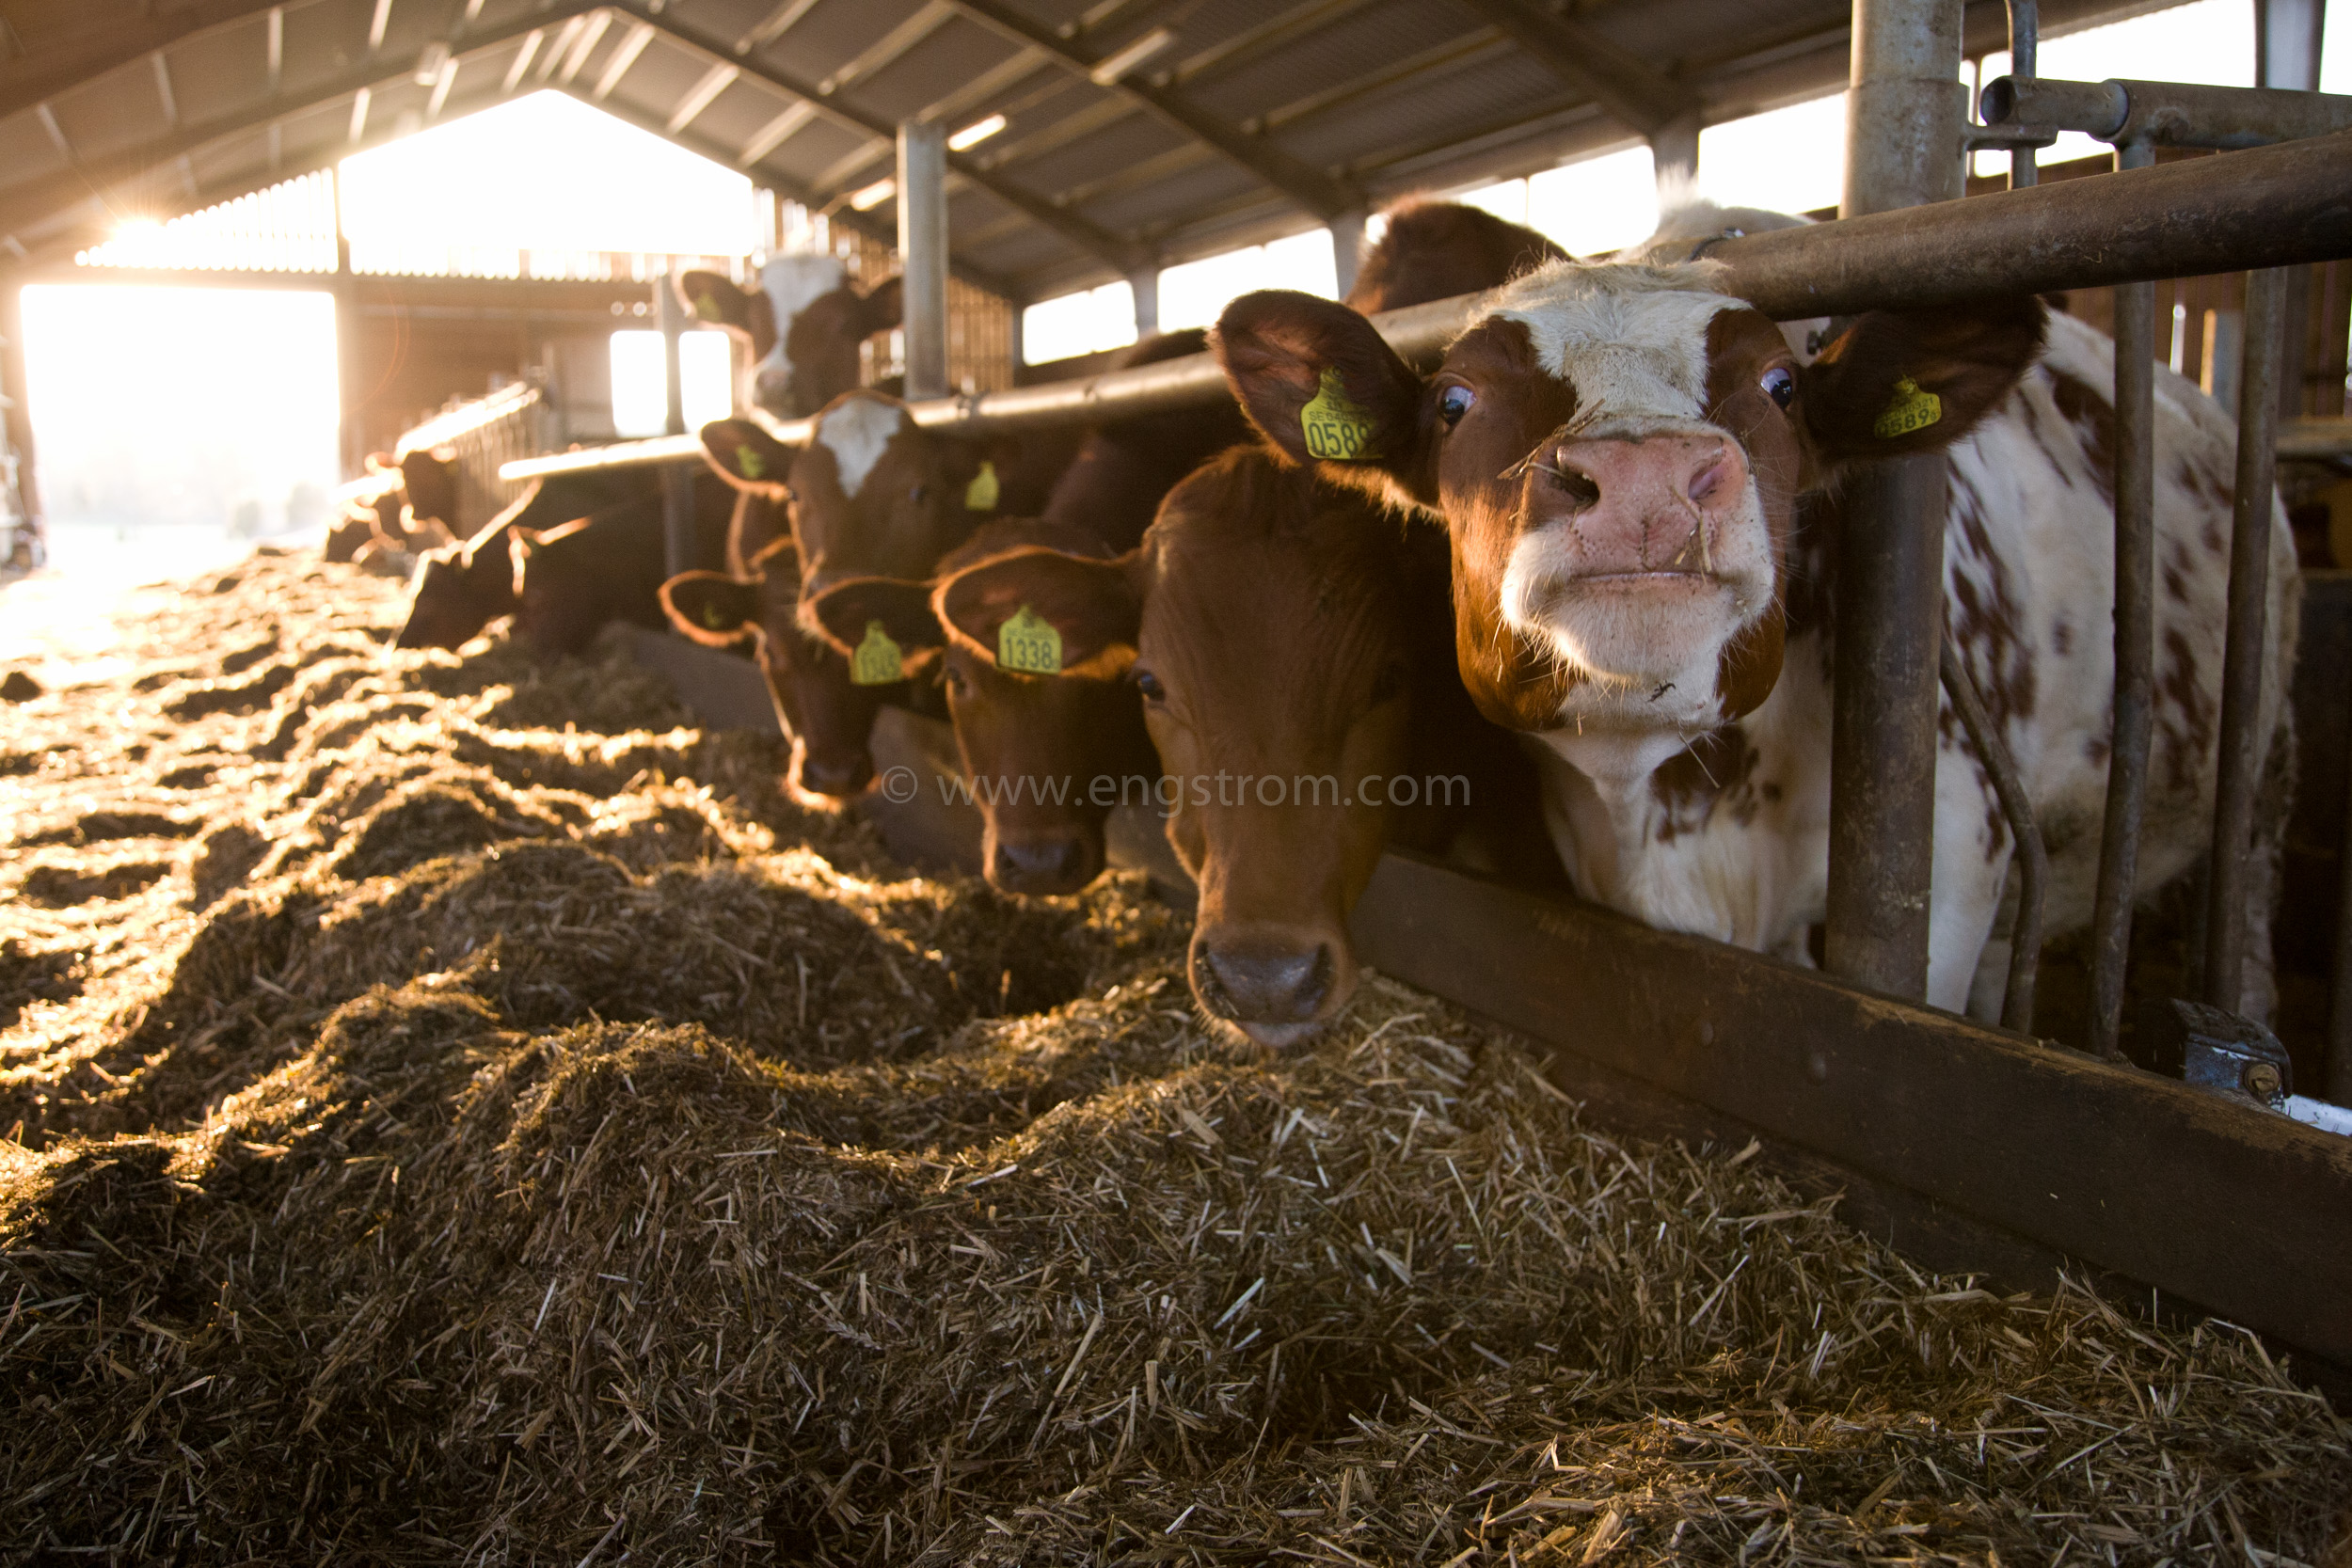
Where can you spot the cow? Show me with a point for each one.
(1288, 645)
(461, 588)
(609, 565)
(802, 327)
(872, 495)
(429, 479)
(1636, 471)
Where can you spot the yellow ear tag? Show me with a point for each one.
(706, 307)
(1029, 644)
(980, 495)
(749, 464)
(1337, 428)
(1912, 409)
(877, 661)
(713, 617)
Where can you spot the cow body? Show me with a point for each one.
(1637, 472)
(461, 588)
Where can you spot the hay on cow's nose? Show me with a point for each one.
(488, 1141)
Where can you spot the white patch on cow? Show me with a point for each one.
(1631, 339)
(792, 284)
(855, 430)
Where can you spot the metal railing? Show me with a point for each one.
(488, 435)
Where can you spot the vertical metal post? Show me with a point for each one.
(1904, 115)
(2135, 648)
(2024, 44)
(1673, 155)
(16, 411)
(2245, 749)
(1144, 285)
(923, 254)
(678, 479)
(350, 377)
(2287, 39)
(2336, 1080)
(1347, 249)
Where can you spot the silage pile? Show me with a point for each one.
(462, 1113)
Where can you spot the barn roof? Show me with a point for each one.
(1140, 132)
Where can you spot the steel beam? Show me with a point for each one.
(1323, 194)
(126, 42)
(1617, 79)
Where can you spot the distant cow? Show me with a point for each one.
(461, 588)
(1292, 660)
(1635, 468)
(802, 327)
(430, 478)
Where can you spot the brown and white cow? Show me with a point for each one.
(803, 325)
(1637, 474)
(461, 588)
(1290, 649)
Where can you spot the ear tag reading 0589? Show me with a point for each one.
(1911, 410)
(749, 462)
(1028, 643)
(877, 661)
(1337, 428)
(980, 495)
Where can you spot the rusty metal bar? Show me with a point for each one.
(2166, 114)
(2024, 44)
(2030, 857)
(2244, 751)
(2135, 651)
(1903, 118)
(2336, 1074)
(2272, 206)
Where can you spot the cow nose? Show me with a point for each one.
(1645, 505)
(1063, 862)
(834, 775)
(1257, 980)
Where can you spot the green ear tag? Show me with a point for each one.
(877, 661)
(1029, 644)
(1335, 426)
(713, 617)
(707, 309)
(980, 495)
(1910, 409)
(749, 462)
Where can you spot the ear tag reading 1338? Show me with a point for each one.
(749, 464)
(1911, 410)
(1028, 643)
(980, 495)
(1337, 428)
(877, 661)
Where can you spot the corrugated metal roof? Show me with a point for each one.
(1257, 117)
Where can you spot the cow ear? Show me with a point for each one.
(746, 456)
(880, 307)
(1897, 382)
(1321, 384)
(778, 561)
(844, 615)
(712, 608)
(716, 300)
(1040, 612)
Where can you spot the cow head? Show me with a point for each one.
(803, 327)
(430, 478)
(827, 715)
(1616, 451)
(1273, 657)
(872, 494)
(1033, 741)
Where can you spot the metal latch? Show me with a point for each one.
(2214, 1049)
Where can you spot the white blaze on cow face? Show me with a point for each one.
(1640, 545)
(792, 284)
(856, 429)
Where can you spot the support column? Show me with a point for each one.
(1903, 119)
(923, 255)
(1144, 284)
(1674, 152)
(2287, 36)
(678, 479)
(1347, 250)
(351, 376)
(15, 411)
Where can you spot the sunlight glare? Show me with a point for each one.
(706, 381)
(1195, 292)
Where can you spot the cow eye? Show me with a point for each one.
(957, 686)
(1780, 385)
(1149, 684)
(918, 492)
(1454, 403)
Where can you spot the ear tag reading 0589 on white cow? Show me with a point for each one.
(1028, 643)
(877, 660)
(980, 495)
(1910, 410)
(1337, 428)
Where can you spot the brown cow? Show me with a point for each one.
(462, 588)
(802, 327)
(1280, 641)
(430, 478)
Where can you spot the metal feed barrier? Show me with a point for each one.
(1973, 1148)
(487, 436)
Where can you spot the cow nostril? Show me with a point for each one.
(1061, 864)
(1581, 489)
(1268, 985)
(1710, 482)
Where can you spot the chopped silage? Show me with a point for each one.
(463, 1113)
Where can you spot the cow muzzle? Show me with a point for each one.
(1632, 507)
(1043, 864)
(1277, 987)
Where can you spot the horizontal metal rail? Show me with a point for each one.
(2272, 206)
(2165, 114)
